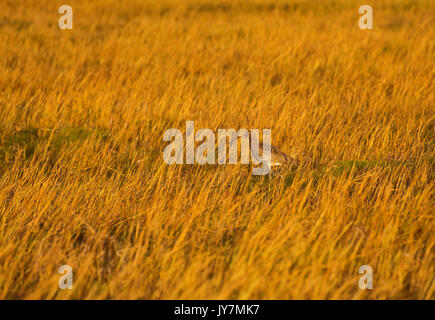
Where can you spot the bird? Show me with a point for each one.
(277, 156)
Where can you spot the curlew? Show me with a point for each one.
(277, 156)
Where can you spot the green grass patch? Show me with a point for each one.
(27, 140)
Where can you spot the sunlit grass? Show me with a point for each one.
(83, 182)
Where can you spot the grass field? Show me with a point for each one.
(83, 181)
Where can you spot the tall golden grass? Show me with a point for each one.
(82, 177)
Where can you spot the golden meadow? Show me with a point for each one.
(82, 177)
